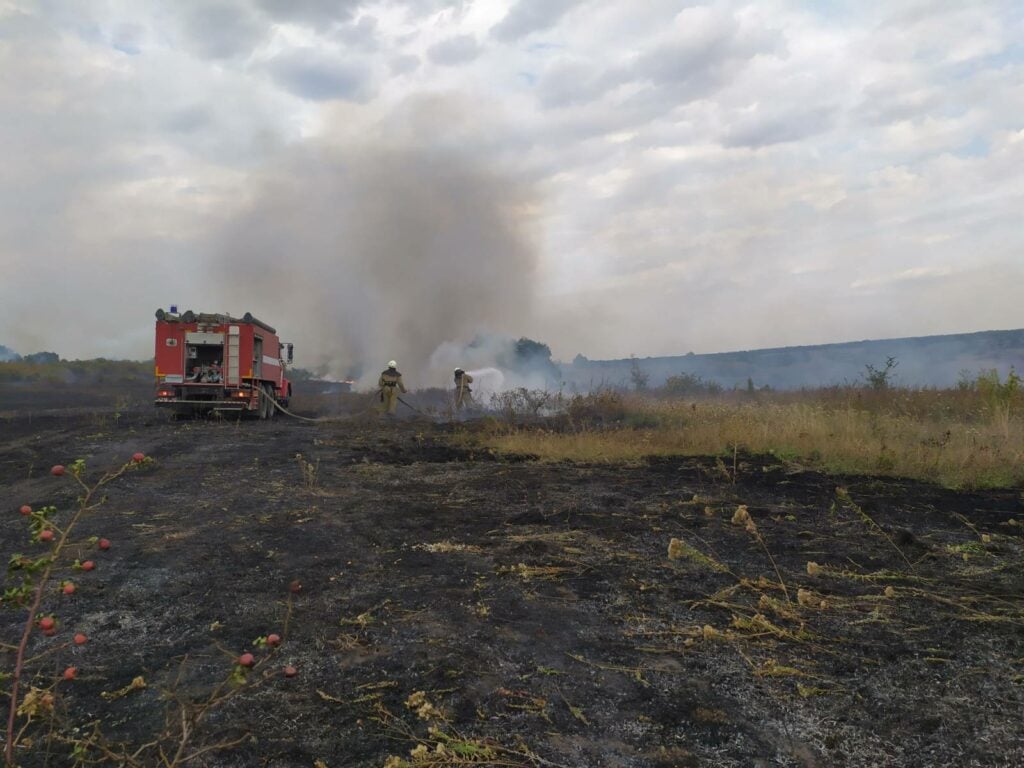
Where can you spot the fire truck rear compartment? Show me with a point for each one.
(203, 355)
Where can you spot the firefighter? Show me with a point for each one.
(463, 393)
(390, 383)
(214, 375)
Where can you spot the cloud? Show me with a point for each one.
(314, 13)
(361, 34)
(762, 130)
(529, 16)
(313, 74)
(897, 99)
(567, 82)
(704, 48)
(918, 273)
(403, 64)
(948, 33)
(188, 120)
(460, 49)
(220, 29)
(128, 38)
(699, 52)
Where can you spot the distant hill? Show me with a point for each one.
(935, 361)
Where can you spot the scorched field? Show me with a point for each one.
(442, 605)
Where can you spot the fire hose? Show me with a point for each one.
(421, 413)
(285, 411)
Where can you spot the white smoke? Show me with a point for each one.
(491, 361)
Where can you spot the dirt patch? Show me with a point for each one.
(535, 606)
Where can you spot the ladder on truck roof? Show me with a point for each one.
(232, 376)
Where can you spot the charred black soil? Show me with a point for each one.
(543, 610)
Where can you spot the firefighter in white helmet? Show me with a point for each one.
(463, 393)
(390, 384)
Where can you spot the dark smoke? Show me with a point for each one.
(367, 253)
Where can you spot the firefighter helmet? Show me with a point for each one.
(392, 364)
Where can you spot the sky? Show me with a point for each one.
(609, 177)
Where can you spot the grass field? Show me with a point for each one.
(972, 436)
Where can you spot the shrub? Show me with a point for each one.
(598, 408)
(526, 404)
(690, 384)
(881, 378)
(1000, 398)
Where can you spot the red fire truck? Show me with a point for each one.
(213, 362)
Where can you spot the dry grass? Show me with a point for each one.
(942, 437)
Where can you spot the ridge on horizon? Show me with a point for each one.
(941, 360)
(885, 340)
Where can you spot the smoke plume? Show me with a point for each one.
(378, 250)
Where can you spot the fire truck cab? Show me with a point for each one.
(218, 363)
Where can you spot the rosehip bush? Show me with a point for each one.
(28, 589)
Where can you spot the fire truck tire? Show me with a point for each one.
(271, 408)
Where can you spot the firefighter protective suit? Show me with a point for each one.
(390, 384)
(463, 392)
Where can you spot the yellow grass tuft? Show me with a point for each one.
(742, 517)
(447, 546)
(710, 633)
(679, 550)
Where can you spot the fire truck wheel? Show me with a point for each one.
(271, 408)
(264, 404)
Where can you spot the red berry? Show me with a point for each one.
(246, 659)
(104, 544)
(25, 509)
(46, 623)
(138, 457)
(295, 586)
(88, 565)
(69, 589)
(290, 671)
(273, 640)
(46, 535)
(70, 673)
(57, 470)
(81, 639)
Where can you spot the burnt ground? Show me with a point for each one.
(535, 606)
